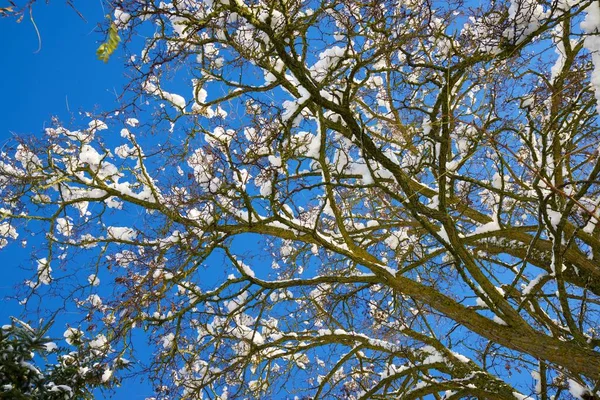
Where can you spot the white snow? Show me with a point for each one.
(520, 396)
(560, 51)
(61, 388)
(461, 357)
(99, 342)
(327, 59)
(89, 155)
(50, 346)
(64, 226)
(361, 168)
(554, 217)
(538, 382)
(7, 231)
(72, 335)
(167, 340)
(113, 202)
(577, 390)
(591, 25)
(106, 375)
(97, 125)
(526, 15)
(132, 122)
(443, 234)
(527, 289)
(175, 99)
(121, 18)
(223, 135)
(93, 280)
(151, 87)
(275, 161)
(121, 233)
(44, 271)
(94, 300)
(314, 147)
(124, 151)
(290, 107)
(247, 270)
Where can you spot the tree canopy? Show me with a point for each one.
(353, 199)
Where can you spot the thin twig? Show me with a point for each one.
(36, 30)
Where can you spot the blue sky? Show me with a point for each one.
(61, 79)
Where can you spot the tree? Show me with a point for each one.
(337, 199)
(73, 376)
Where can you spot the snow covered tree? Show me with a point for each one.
(73, 375)
(354, 199)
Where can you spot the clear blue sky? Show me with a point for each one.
(61, 79)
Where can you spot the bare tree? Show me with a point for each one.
(352, 199)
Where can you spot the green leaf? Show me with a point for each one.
(106, 49)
